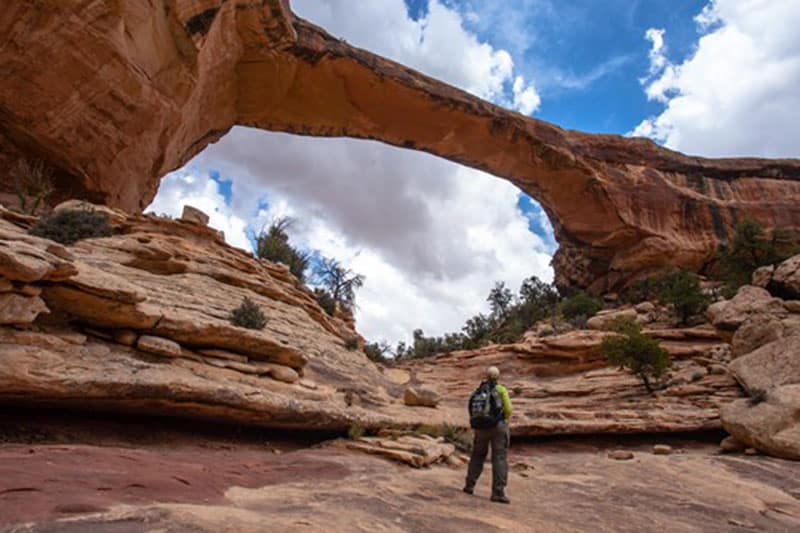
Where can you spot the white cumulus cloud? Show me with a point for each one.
(737, 94)
(430, 236)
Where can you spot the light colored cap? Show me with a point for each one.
(492, 372)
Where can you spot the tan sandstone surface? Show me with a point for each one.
(139, 322)
(561, 384)
(133, 90)
(557, 486)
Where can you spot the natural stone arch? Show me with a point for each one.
(135, 91)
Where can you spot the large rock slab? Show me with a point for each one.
(749, 301)
(772, 365)
(772, 426)
(184, 73)
(785, 280)
(20, 309)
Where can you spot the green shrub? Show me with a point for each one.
(751, 248)
(71, 225)
(248, 315)
(682, 289)
(325, 301)
(339, 282)
(273, 245)
(355, 432)
(579, 307)
(757, 396)
(377, 352)
(632, 349)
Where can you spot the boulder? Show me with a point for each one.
(192, 214)
(756, 331)
(729, 315)
(621, 455)
(771, 426)
(20, 309)
(115, 216)
(280, 372)
(785, 281)
(762, 276)
(158, 346)
(421, 396)
(770, 366)
(126, 337)
(731, 445)
(662, 449)
(602, 320)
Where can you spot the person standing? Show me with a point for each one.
(489, 413)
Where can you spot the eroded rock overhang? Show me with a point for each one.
(132, 91)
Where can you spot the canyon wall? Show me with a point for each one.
(113, 95)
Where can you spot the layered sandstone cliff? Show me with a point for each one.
(132, 90)
(139, 322)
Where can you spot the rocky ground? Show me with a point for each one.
(181, 478)
(249, 427)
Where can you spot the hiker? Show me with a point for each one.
(489, 411)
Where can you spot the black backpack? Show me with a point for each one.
(485, 410)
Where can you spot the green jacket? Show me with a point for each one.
(503, 393)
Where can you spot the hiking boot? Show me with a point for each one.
(500, 498)
(469, 490)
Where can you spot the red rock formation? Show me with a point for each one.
(133, 90)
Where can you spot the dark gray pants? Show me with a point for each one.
(498, 438)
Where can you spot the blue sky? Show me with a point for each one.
(586, 56)
(431, 236)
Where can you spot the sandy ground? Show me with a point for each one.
(179, 480)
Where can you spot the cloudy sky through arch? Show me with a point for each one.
(432, 236)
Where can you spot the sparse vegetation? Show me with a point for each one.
(757, 396)
(631, 348)
(248, 315)
(681, 288)
(325, 301)
(511, 316)
(351, 343)
(71, 225)
(273, 245)
(750, 248)
(339, 282)
(460, 438)
(378, 352)
(355, 432)
(33, 183)
(580, 307)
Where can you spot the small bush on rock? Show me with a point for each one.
(757, 396)
(351, 343)
(355, 432)
(377, 352)
(579, 307)
(631, 348)
(325, 301)
(682, 289)
(71, 225)
(248, 315)
(273, 245)
(750, 248)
